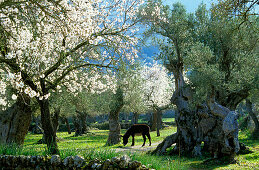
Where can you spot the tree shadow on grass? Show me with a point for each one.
(213, 163)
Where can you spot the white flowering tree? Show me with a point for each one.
(45, 44)
(158, 88)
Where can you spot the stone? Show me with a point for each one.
(79, 161)
(134, 164)
(94, 166)
(55, 160)
(125, 158)
(69, 162)
(124, 161)
(106, 164)
(115, 160)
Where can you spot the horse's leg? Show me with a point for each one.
(133, 142)
(149, 138)
(144, 137)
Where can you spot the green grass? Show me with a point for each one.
(92, 145)
(168, 120)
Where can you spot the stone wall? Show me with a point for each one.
(71, 162)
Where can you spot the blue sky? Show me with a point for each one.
(191, 5)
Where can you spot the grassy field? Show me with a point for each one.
(92, 145)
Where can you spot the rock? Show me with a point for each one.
(93, 162)
(124, 161)
(94, 166)
(79, 161)
(33, 160)
(144, 167)
(125, 158)
(115, 160)
(134, 164)
(55, 160)
(69, 162)
(106, 164)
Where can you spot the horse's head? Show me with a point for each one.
(125, 140)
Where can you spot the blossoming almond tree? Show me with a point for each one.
(157, 89)
(45, 44)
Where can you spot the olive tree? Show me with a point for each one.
(217, 57)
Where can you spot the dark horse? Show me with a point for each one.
(137, 129)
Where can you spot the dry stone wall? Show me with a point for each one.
(9, 162)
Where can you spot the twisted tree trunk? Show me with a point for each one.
(255, 133)
(81, 118)
(15, 121)
(210, 123)
(114, 125)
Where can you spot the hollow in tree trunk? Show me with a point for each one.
(114, 125)
(15, 121)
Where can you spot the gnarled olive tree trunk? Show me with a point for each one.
(255, 133)
(15, 121)
(79, 121)
(211, 123)
(114, 124)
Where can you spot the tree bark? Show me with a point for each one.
(15, 121)
(55, 119)
(252, 114)
(134, 118)
(153, 121)
(211, 123)
(78, 128)
(67, 124)
(114, 124)
(231, 100)
(49, 132)
(159, 121)
(82, 121)
(79, 121)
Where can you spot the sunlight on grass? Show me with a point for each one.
(92, 145)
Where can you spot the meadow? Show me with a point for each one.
(92, 145)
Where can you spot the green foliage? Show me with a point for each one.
(214, 48)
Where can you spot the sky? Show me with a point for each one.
(191, 5)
